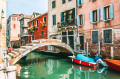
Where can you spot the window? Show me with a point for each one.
(94, 16)
(32, 24)
(94, 37)
(53, 4)
(107, 12)
(54, 19)
(69, 0)
(45, 19)
(42, 33)
(107, 36)
(37, 23)
(80, 2)
(14, 26)
(13, 19)
(68, 16)
(80, 20)
(63, 1)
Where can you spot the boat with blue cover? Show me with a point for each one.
(83, 60)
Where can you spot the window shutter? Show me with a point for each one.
(111, 11)
(91, 16)
(78, 20)
(98, 18)
(83, 19)
(81, 2)
(67, 16)
(55, 19)
(102, 13)
(78, 2)
(73, 15)
(62, 17)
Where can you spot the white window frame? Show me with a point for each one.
(98, 36)
(103, 35)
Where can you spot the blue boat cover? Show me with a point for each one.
(84, 58)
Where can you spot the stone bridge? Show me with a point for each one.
(17, 54)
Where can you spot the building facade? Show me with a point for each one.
(38, 27)
(99, 26)
(13, 30)
(62, 21)
(24, 19)
(2, 27)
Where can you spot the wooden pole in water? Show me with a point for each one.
(99, 49)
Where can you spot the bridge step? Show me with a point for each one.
(10, 54)
(26, 47)
(35, 41)
(16, 53)
(22, 50)
(29, 44)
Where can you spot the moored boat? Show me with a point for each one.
(113, 64)
(83, 60)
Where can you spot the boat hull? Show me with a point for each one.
(112, 64)
(82, 62)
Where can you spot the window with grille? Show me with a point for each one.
(107, 36)
(95, 36)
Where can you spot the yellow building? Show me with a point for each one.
(13, 30)
(2, 27)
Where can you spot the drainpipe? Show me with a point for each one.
(76, 18)
(76, 25)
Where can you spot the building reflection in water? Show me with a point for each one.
(38, 66)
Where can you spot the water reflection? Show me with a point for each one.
(38, 66)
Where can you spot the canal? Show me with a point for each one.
(39, 66)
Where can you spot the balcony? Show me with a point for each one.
(66, 24)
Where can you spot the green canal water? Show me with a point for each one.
(39, 66)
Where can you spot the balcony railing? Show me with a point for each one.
(67, 23)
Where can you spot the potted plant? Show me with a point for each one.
(71, 20)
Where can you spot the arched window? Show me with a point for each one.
(14, 26)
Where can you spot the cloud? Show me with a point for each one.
(26, 6)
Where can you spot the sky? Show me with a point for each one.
(26, 6)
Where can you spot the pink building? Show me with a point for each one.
(99, 24)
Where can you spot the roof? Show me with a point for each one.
(38, 17)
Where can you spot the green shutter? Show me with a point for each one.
(111, 11)
(67, 16)
(103, 13)
(62, 17)
(98, 15)
(78, 20)
(54, 19)
(73, 15)
(81, 2)
(78, 2)
(83, 18)
(91, 16)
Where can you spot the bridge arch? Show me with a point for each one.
(43, 42)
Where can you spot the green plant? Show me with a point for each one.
(12, 57)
